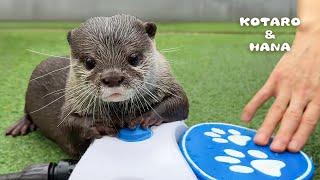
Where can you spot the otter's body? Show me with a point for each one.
(45, 90)
(115, 77)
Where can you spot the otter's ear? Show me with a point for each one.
(150, 28)
(69, 37)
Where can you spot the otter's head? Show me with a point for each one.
(112, 55)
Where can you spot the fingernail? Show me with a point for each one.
(258, 136)
(246, 117)
(277, 145)
(293, 145)
(260, 139)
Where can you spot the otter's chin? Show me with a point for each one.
(117, 97)
(114, 94)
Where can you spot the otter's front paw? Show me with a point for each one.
(146, 120)
(106, 130)
(97, 131)
(90, 134)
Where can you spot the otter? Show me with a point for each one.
(114, 77)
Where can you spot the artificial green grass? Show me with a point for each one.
(217, 71)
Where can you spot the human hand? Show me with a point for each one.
(295, 84)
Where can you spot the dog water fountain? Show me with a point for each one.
(172, 151)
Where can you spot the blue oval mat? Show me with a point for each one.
(225, 151)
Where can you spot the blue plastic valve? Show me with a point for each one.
(134, 135)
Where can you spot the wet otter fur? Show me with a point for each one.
(115, 77)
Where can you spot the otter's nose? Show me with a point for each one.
(112, 79)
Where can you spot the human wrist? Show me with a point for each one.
(307, 33)
(308, 27)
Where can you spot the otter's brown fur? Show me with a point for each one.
(69, 99)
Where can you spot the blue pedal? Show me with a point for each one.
(225, 151)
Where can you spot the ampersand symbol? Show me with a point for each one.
(269, 35)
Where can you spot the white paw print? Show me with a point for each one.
(262, 164)
(235, 136)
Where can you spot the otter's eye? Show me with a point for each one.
(89, 63)
(134, 59)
